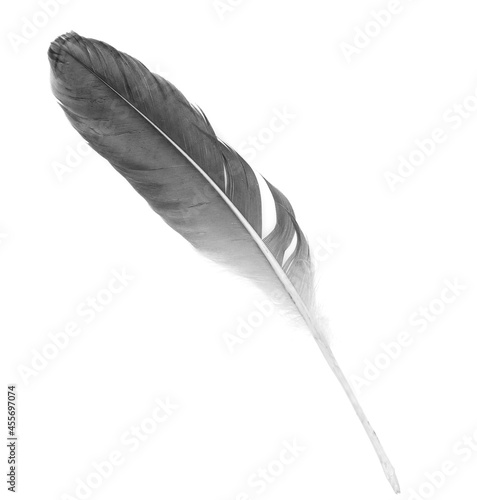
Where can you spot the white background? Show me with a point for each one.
(61, 236)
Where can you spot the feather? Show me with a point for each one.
(167, 150)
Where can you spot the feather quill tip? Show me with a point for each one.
(392, 478)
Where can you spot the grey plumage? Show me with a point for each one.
(166, 148)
